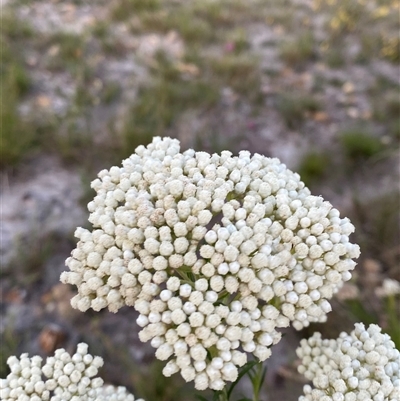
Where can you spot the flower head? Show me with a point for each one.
(62, 377)
(215, 252)
(390, 287)
(362, 365)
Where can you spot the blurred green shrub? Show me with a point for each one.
(313, 167)
(294, 106)
(298, 51)
(358, 144)
(16, 136)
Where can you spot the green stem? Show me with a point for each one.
(221, 395)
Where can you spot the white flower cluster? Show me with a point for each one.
(62, 378)
(389, 288)
(360, 366)
(112, 393)
(215, 252)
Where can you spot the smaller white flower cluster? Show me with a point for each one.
(62, 378)
(389, 287)
(360, 366)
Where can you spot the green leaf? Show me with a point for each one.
(263, 376)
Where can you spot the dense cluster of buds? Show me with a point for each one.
(215, 252)
(62, 378)
(362, 365)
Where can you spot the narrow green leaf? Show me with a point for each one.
(263, 376)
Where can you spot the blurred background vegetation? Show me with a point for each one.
(313, 82)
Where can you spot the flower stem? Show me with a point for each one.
(223, 396)
(219, 395)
